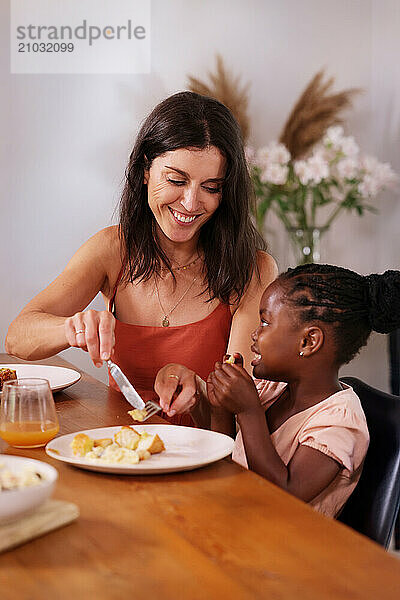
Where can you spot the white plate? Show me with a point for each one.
(186, 448)
(59, 377)
(16, 503)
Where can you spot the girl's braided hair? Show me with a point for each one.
(353, 303)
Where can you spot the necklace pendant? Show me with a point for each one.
(165, 321)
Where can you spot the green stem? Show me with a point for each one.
(333, 216)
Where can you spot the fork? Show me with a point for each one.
(130, 393)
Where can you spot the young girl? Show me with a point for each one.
(298, 425)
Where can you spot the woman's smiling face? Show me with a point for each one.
(184, 190)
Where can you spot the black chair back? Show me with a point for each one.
(373, 506)
(394, 361)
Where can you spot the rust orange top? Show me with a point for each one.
(140, 351)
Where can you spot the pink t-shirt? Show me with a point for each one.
(335, 426)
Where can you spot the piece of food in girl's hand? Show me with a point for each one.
(7, 375)
(230, 359)
(82, 444)
(138, 414)
(127, 437)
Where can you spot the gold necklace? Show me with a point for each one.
(183, 267)
(165, 321)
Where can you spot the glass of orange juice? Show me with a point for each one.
(28, 414)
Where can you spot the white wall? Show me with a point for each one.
(66, 138)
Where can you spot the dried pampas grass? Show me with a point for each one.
(315, 111)
(225, 88)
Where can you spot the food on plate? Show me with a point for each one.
(103, 442)
(138, 414)
(12, 481)
(82, 444)
(7, 375)
(150, 443)
(127, 437)
(128, 447)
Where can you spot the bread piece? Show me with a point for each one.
(143, 454)
(127, 437)
(138, 414)
(151, 443)
(104, 442)
(7, 375)
(81, 444)
(229, 359)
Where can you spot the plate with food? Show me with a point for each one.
(141, 449)
(59, 377)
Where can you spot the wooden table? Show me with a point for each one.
(216, 532)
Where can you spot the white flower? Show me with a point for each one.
(273, 153)
(335, 141)
(368, 187)
(376, 176)
(279, 153)
(349, 147)
(319, 167)
(275, 173)
(333, 136)
(386, 176)
(250, 154)
(302, 171)
(347, 168)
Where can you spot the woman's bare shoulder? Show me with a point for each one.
(105, 247)
(265, 274)
(267, 267)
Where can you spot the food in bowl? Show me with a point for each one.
(7, 375)
(33, 484)
(128, 447)
(11, 480)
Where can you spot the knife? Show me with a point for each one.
(125, 386)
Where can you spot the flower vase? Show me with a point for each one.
(306, 244)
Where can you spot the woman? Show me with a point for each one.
(182, 274)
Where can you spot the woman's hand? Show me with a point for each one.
(177, 387)
(92, 331)
(230, 387)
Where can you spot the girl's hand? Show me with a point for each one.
(177, 388)
(92, 331)
(229, 386)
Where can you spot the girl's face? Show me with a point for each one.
(277, 339)
(184, 190)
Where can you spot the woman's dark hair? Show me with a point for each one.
(353, 303)
(229, 239)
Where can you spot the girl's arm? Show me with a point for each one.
(48, 323)
(308, 473)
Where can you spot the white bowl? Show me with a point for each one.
(16, 503)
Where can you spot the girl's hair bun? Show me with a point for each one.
(383, 298)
